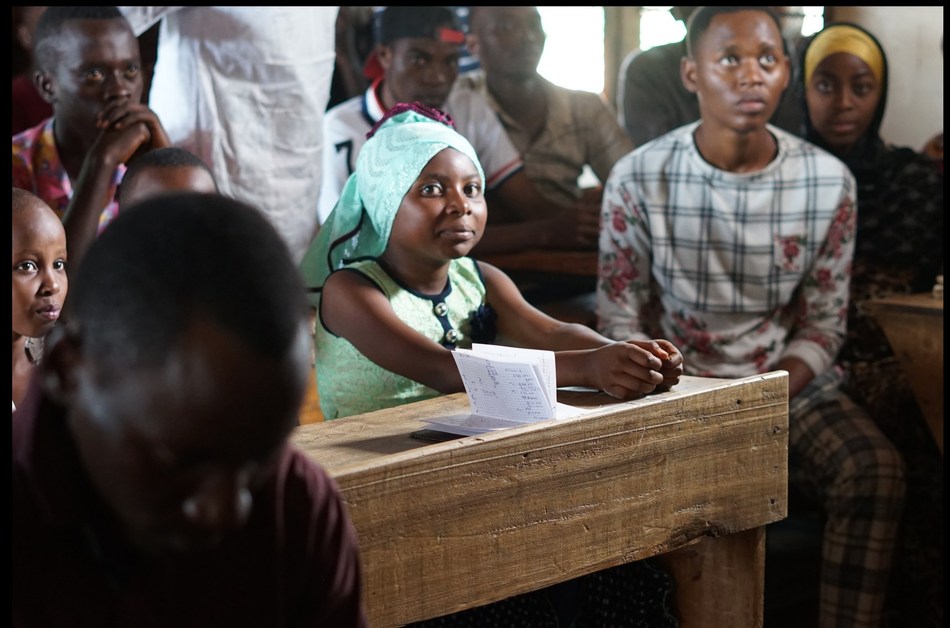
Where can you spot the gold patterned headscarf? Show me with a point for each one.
(844, 38)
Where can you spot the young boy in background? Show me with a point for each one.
(163, 171)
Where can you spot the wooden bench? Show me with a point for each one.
(693, 474)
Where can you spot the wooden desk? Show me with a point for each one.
(547, 261)
(913, 325)
(694, 474)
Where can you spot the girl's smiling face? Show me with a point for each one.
(443, 214)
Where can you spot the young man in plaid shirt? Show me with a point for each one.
(734, 240)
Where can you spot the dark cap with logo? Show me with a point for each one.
(438, 23)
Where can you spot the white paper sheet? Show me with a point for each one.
(506, 387)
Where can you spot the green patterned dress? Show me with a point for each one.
(350, 383)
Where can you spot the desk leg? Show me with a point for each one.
(918, 343)
(720, 583)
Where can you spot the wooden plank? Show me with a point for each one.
(921, 302)
(448, 526)
(913, 325)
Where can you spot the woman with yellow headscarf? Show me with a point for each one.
(899, 249)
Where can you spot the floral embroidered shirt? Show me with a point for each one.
(38, 169)
(737, 269)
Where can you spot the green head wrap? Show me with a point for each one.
(398, 148)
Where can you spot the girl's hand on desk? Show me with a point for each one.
(672, 360)
(626, 370)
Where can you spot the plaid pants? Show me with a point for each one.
(839, 458)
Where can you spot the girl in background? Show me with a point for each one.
(39, 283)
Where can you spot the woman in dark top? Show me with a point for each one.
(899, 249)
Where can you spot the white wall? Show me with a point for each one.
(911, 39)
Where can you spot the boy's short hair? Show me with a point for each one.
(699, 21)
(166, 157)
(51, 22)
(179, 257)
(438, 23)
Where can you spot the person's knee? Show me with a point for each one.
(892, 471)
(876, 470)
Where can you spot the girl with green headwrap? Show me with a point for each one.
(396, 290)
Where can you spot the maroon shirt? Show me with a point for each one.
(295, 563)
